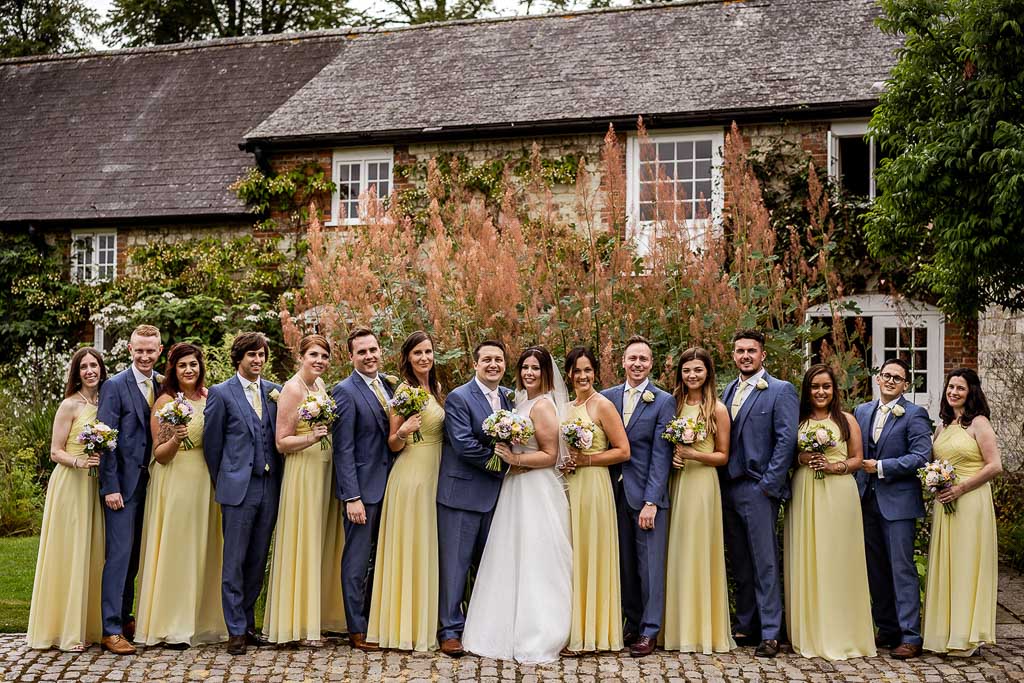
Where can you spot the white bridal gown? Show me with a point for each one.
(521, 607)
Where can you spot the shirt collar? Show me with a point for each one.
(139, 377)
(483, 387)
(753, 378)
(640, 387)
(246, 382)
(891, 403)
(369, 380)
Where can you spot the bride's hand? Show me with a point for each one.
(505, 453)
(569, 465)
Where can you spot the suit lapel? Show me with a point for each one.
(867, 418)
(638, 409)
(505, 403)
(730, 390)
(474, 389)
(138, 402)
(748, 404)
(371, 400)
(887, 427)
(238, 393)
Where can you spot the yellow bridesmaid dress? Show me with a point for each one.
(828, 606)
(696, 591)
(963, 564)
(307, 549)
(403, 609)
(182, 550)
(596, 590)
(65, 610)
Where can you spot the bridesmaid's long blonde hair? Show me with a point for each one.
(708, 397)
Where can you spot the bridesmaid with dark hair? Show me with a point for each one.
(65, 610)
(963, 562)
(182, 542)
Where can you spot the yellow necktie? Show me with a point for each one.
(737, 400)
(148, 382)
(375, 384)
(880, 422)
(254, 399)
(630, 405)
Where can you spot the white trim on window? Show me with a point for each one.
(692, 163)
(93, 255)
(352, 171)
(857, 128)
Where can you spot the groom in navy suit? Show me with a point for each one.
(897, 441)
(362, 461)
(239, 444)
(124, 404)
(466, 490)
(765, 416)
(641, 491)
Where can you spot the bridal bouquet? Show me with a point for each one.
(578, 434)
(177, 412)
(816, 440)
(409, 401)
(318, 409)
(505, 426)
(685, 431)
(97, 437)
(938, 475)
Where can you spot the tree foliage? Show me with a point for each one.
(32, 27)
(156, 22)
(952, 122)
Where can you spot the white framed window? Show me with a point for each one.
(673, 176)
(853, 157)
(93, 255)
(355, 171)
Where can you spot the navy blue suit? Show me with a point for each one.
(362, 461)
(123, 470)
(466, 494)
(755, 481)
(241, 454)
(642, 479)
(891, 506)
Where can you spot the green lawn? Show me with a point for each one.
(17, 568)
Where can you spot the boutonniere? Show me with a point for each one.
(761, 384)
(274, 395)
(647, 397)
(511, 398)
(392, 380)
(898, 411)
(159, 378)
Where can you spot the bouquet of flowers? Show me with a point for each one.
(505, 426)
(578, 434)
(817, 440)
(409, 401)
(938, 475)
(97, 437)
(685, 431)
(177, 412)
(318, 409)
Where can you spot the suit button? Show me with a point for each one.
(250, 463)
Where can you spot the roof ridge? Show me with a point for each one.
(345, 31)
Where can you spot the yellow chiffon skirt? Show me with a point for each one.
(307, 552)
(828, 606)
(65, 610)
(596, 591)
(403, 609)
(696, 591)
(963, 570)
(181, 556)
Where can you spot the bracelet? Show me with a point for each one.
(77, 466)
(590, 460)
(846, 468)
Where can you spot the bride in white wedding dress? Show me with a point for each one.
(521, 607)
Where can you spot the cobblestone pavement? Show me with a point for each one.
(338, 662)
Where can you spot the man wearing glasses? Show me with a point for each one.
(897, 441)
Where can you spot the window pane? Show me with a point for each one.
(703, 149)
(890, 337)
(342, 173)
(647, 211)
(371, 171)
(702, 168)
(684, 150)
(854, 161)
(666, 151)
(921, 337)
(920, 360)
(702, 189)
(922, 381)
(647, 192)
(685, 170)
(647, 173)
(647, 151)
(355, 172)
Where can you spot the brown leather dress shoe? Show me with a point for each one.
(906, 651)
(129, 630)
(358, 641)
(118, 644)
(452, 647)
(643, 646)
(236, 645)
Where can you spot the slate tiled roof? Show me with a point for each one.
(141, 133)
(688, 58)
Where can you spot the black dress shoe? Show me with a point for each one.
(255, 639)
(767, 648)
(886, 642)
(745, 641)
(176, 646)
(629, 638)
(236, 645)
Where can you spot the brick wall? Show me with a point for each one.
(961, 347)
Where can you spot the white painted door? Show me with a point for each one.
(917, 339)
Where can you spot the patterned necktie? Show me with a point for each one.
(492, 398)
(630, 405)
(148, 383)
(883, 413)
(254, 399)
(737, 399)
(379, 391)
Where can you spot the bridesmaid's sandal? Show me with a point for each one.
(78, 648)
(305, 642)
(566, 652)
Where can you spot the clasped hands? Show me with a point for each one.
(819, 463)
(505, 453)
(576, 459)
